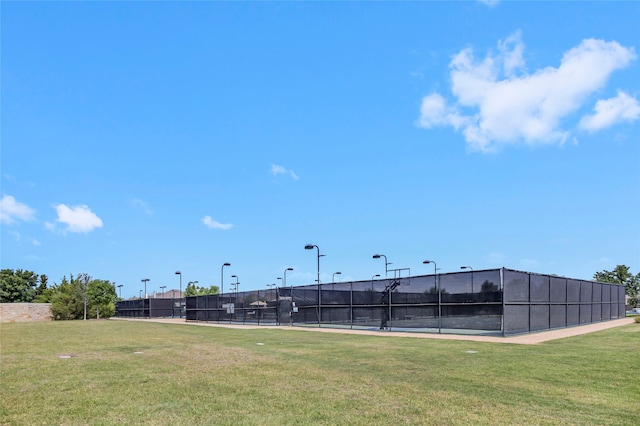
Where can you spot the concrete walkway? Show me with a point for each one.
(522, 339)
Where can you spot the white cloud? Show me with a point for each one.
(12, 211)
(498, 103)
(608, 112)
(511, 51)
(279, 170)
(142, 205)
(490, 3)
(213, 224)
(78, 219)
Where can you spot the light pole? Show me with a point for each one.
(310, 247)
(180, 273)
(120, 289)
(233, 290)
(145, 281)
(236, 284)
(435, 268)
(333, 277)
(284, 285)
(469, 267)
(435, 278)
(271, 287)
(386, 263)
(179, 296)
(222, 277)
(284, 281)
(162, 287)
(373, 278)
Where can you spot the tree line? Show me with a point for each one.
(623, 276)
(194, 290)
(78, 297)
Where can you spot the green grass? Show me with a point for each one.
(189, 375)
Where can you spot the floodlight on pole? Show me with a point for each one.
(237, 283)
(435, 278)
(469, 267)
(284, 281)
(435, 267)
(180, 273)
(179, 294)
(145, 281)
(386, 263)
(311, 247)
(222, 277)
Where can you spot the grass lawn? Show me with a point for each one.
(170, 374)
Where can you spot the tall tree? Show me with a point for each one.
(65, 301)
(17, 286)
(621, 275)
(43, 284)
(43, 292)
(83, 297)
(101, 299)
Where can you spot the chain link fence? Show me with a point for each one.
(496, 301)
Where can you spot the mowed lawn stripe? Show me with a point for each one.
(156, 374)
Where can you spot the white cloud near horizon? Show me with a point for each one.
(79, 219)
(12, 211)
(280, 170)
(499, 103)
(214, 224)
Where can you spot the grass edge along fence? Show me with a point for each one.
(494, 302)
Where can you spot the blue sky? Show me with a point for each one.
(142, 138)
